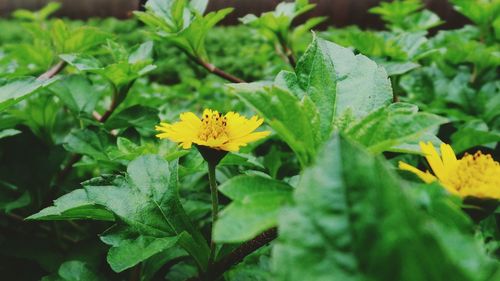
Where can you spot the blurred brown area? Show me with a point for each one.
(76, 9)
(339, 12)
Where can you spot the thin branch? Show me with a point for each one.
(238, 255)
(213, 69)
(135, 273)
(52, 71)
(287, 52)
(114, 104)
(61, 176)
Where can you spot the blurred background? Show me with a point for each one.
(339, 12)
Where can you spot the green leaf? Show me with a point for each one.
(15, 90)
(140, 117)
(88, 142)
(39, 15)
(74, 205)
(74, 271)
(77, 40)
(81, 62)
(482, 12)
(255, 207)
(295, 121)
(77, 93)
(144, 53)
(182, 24)
(276, 24)
(405, 15)
(120, 73)
(8, 204)
(192, 38)
(129, 248)
(395, 125)
(394, 68)
(8, 133)
(354, 220)
(330, 86)
(146, 207)
(468, 137)
(340, 83)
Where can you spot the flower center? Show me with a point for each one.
(213, 126)
(476, 174)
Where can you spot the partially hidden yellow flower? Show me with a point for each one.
(221, 132)
(475, 175)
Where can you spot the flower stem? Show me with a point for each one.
(215, 206)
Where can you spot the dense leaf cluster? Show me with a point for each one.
(88, 193)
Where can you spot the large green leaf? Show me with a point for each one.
(353, 220)
(330, 87)
(295, 121)
(130, 248)
(482, 12)
(339, 83)
(88, 142)
(78, 40)
(392, 126)
(146, 207)
(256, 203)
(74, 205)
(361, 85)
(15, 90)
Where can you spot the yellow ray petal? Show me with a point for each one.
(425, 176)
(448, 155)
(433, 159)
(251, 137)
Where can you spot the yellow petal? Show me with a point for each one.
(425, 176)
(252, 137)
(433, 159)
(448, 155)
(190, 120)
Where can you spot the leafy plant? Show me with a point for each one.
(88, 191)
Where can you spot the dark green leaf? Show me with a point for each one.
(353, 220)
(88, 142)
(77, 93)
(392, 126)
(16, 90)
(255, 207)
(140, 117)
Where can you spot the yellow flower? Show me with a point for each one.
(221, 132)
(475, 175)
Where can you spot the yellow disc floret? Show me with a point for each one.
(222, 132)
(475, 175)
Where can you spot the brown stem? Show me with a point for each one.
(287, 52)
(238, 255)
(67, 169)
(111, 109)
(213, 69)
(289, 55)
(135, 273)
(52, 71)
